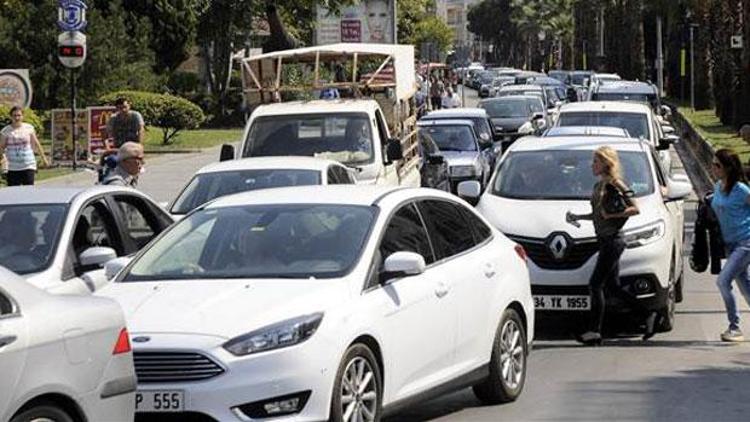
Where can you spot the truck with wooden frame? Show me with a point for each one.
(367, 121)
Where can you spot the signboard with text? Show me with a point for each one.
(15, 87)
(98, 118)
(367, 21)
(62, 136)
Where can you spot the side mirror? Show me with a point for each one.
(394, 150)
(96, 256)
(666, 141)
(665, 111)
(113, 267)
(537, 116)
(677, 190)
(470, 189)
(227, 152)
(435, 159)
(667, 129)
(402, 264)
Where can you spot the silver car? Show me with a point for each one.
(60, 238)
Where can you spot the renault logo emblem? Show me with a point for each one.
(558, 245)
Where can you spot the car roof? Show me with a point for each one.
(456, 113)
(606, 106)
(529, 87)
(31, 195)
(266, 163)
(629, 87)
(511, 97)
(587, 131)
(535, 143)
(317, 106)
(445, 122)
(332, 194)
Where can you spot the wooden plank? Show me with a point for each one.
(382, 66)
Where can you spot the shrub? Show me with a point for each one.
(29, 116)
(170, 113)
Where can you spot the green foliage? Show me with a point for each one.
(171, 113)
(29, 116)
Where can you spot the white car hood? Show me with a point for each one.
(538, 219)
(223, 308)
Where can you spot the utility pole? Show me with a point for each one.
(692, 66)
(659, 57)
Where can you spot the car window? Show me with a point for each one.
(95, 226)
(6, 305)
(481, 231)
(406, 233)
(29, 235)
(636, 124)
(139, 223)
(482, 126)
(449, 231)
(344, 176)
(333, 176)
(452, 138)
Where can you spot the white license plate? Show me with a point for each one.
(160, 401)
(562, 303)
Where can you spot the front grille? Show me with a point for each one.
(174, 367)
(578, 252)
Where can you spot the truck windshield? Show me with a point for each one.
(344, 137)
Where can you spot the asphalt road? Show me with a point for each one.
(684, 375)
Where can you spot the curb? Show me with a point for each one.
(699, 153)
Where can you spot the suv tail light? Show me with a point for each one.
(521, 253)
(123, 343)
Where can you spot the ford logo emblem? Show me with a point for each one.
(141, 339)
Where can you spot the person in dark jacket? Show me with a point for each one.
(708, 246)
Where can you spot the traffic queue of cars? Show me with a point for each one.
(274, 296)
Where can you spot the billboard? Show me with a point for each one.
(62, 136)
(15, 87)
(98, 118)
(367, 21)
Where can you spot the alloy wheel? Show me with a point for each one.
(359, 394)
(512, 357)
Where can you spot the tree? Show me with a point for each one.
(432, 29)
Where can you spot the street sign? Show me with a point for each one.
(71, 49)
(71, 15)
(736, 42)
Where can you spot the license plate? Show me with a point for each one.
(160, 401)
(562, 303)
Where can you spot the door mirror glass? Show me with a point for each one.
(227, 152)
(394, 151)
(402, 264)
(113, 267)
(96, 256)
(470, 189)
(677, 190)
(666, 141)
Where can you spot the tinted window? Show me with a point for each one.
(29, 235)
(405, 233)
(139, 223)
(507, 107)
(208, 186)
(449, 231)
(333, 177)
(452, 138)
(6, 305)
(482, 232)
(564, 174)
(343, 175)
(635, 123)
(265, 241)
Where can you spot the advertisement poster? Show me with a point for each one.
(62, 136)
(98, 118)
(367, 21)
(15, 87)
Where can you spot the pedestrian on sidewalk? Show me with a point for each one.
(125, 126)
(436, 92)
(450, 99)
(612, 204)
(731, 204)
(18, 142)
(130, 159)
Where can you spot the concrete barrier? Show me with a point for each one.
(696, 153)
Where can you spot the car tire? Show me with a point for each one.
(666, 314)
(361, 358)
(507, 364)
(678, 288)
(45, 412)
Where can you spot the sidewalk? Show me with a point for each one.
(165, 174)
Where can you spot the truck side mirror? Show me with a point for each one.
(394, 151)
(227, 152)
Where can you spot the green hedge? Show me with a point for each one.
(170, 113)
(29, 116)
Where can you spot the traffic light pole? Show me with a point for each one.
(73, 132)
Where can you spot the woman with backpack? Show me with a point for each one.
(731, 204)
(611, 206)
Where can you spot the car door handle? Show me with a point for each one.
(489, 270)
(441, 290)
(6, 340)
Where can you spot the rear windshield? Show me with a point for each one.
(635, 123)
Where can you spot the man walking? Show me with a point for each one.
(126, 125)
(130, 159)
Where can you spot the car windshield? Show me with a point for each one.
(564, 174)
(647, 99)
(207, 186)
(262, 241)
(344, 137)
(560, 76)
(29, 235)
(635, 123)
(452, 138)
(507, 107)
(579, 79)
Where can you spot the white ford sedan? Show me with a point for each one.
(58, 365)
(336, 302)
(540, 179)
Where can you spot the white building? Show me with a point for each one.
(454, 12)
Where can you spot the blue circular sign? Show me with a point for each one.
(71, 15)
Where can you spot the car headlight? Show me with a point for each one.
(463, 171)
(526, 128)
(282, 334)
(645, 235)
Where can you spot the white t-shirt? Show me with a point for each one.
(18, 149)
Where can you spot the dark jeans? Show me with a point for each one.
(437, 103)
(606, 275)
(21, 177)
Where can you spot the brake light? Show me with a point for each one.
(521, 252)
(123, 343)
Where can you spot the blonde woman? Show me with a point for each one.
(611, 205)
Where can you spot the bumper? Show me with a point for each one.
(310, 366)
(114, 399)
